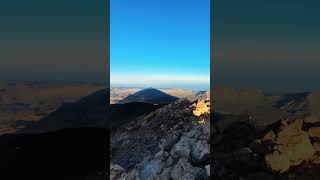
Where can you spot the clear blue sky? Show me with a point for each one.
(160, 43)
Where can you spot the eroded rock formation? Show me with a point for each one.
(169, 143)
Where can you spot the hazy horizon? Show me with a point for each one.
(186, 87)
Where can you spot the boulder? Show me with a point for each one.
(116, 171)
(183, 148)
(132, 175)
(155, 168)
(201, 107)
(183, 170)
(165, 175)
(292, 147)
(200, 151)
(171, 140)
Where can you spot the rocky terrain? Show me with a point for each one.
(271, 137)
(171, 142)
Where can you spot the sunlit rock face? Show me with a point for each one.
(201, 107)
(292, 147)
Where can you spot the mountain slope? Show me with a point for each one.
(90, 111)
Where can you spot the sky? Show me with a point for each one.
(160, 43)
(61, 40)
(268, 44)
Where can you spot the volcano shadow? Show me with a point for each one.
(89, 111)
(71, 142)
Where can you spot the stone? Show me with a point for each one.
(165, 175)
(277, 162)
(170, 141)
(150, 169)
(132, 175)
(183, 170)
(161, 155)
(312, 119)
(292, 147)
(183, 148)
(116, 171)
(200, 151)
(314, 132)
(201, 107)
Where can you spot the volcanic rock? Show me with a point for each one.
(183, 170)
(201, 107)
(292, 147)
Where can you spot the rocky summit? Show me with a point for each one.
(287, 149)
(171, 142)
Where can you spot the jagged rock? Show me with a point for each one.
(116, 171)
(165, 175)
(170, 141)
(181, 137)
(201, 107)
(314, 132)
(183, 170)
(292, 147)
(194, 143)
(132, 175)
(151, 169)
(277, 162)
(312, 119)
(200, 151)
(183, 148)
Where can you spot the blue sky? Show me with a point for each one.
(160, 43)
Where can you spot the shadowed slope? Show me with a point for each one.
(122, 113)
(149, 95)
(90, 111)
(70, 143)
